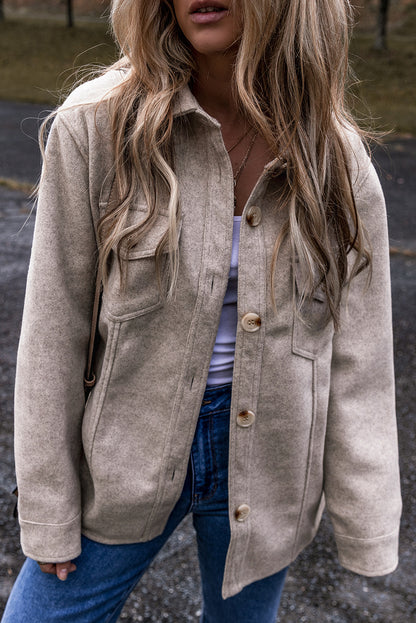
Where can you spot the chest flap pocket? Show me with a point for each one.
(312, 325)
(139, 292)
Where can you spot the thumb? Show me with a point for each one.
(63, 569)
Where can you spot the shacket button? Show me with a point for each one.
(251, 322)
(253, 216)
(242, 512)
(245, 418)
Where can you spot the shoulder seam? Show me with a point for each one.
(83, 153)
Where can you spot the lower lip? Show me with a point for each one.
(208, 18)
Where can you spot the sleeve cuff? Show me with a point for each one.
(51, 542)
(369, 557)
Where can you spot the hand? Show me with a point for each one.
(60, 569)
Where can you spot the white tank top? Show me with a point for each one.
(222, 360)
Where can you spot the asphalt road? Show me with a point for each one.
(317, 590)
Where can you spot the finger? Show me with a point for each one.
(63, 569)
(47, 567)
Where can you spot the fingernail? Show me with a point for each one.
(63, 574)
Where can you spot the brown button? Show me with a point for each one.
(245, 418)
(242, 512)
(253, 216)
(251, 322)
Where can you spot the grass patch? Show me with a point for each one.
(386, 91)
(40, 58)
(11, 184)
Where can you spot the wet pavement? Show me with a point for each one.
(317, 590)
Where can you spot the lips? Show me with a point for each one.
(208, 12)
(202, 7)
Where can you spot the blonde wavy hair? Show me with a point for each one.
(290, 75)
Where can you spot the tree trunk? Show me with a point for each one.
(70, 14)
(381, 36)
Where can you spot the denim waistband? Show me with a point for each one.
(217, 398)
(215, 388)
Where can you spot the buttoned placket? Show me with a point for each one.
(249, 338)
(247, 365)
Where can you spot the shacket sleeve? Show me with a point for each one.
(361, 483)
(49, 398)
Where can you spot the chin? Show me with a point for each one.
(211, 46)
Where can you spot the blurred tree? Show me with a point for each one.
(69, 13)
(380, 42)
(1, 11)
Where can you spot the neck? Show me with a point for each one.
(212, 87)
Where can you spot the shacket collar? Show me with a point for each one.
(186, 103)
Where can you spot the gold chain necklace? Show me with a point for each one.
(238, 141)
(244, 160)
(242, 165)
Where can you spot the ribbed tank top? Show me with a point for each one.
(222, 360)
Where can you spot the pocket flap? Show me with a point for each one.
(318, 294)
(149, 239)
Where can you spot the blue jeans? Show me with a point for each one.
(106, 574)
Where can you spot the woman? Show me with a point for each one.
(219, 140)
